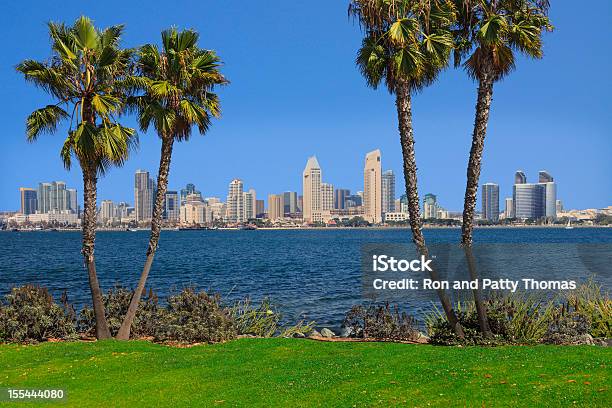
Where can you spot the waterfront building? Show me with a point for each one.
(311, 190)
(509, 211)
(107, 211)
(340, 195)
(29, 200)
(54, 196)
(404, 204)
(559, 205)
(172, 207)
(189, 189)
(276, 207)
(122, 211)
(260, 208)
(372, 187)
(290, 202)
(327, 197)
(396, 217)
(144, 196)
(300, 204)
(430, 206)
(250, 198)
(193, 213)
(534, 200)
(353, 200)
(490, 202)
(235, 202)
(388, 191)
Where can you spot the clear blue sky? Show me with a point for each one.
(295, 92)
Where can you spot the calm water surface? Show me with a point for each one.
(311, 273)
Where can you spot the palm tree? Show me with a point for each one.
(175, 86)
(488, 34)
(83, 77)
(407, 43)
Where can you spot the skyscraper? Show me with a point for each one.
(327, 197)
(490, 202)
(290, 202)
(107, 211)
(388, 191)
(509, 211)
(430, 206)
(311, 187)
(29, 200)
(534, 200)
(235, 202)
(250, 205)
(340, 195)
(372, 187)
(144, 193)
(260, 208)
(276, 207)
(172, 208)
(189, 189)
(55, 197)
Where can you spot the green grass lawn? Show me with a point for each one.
(292, 372)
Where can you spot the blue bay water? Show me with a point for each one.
(312, 274)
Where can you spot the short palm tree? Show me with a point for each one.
(407, 43)
(174, 94)
(84, 76)
(488, 34)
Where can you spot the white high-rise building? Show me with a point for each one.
(250, 199)
(311, 184)
(327, 197)
(509, 211)
(372, 187)
(144, 195)
(107, 211)
(235, 202)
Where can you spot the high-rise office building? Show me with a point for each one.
(404, 204)
(430, 206)
(107, 211)
(388, 191)
(172, 206)
(190, 188)
(72, 198)
(372, 187)
(327, 197)
(559, 206)
(55, 197)
(311, 187)
(276, 207)
(250, 199)
(260, 208)
(490, 202)
(509, 211)
(29, 200)
(144, 196)
(340, 195)
(353, 200)
(235, 202)
(534, 200)
(290, 202)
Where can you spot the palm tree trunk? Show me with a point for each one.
(156, 222)
(404, 115)
(483, 107)
(89, 236)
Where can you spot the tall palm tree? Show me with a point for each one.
(83, 77)
(175, 87)
(407, 43)
(488, 34)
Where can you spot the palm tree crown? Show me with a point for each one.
(177, 83)
(405, 40)
(84, 77)
(489, 32)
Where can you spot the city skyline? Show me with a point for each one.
(265, 107)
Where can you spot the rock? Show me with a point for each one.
(327, 333)
(298, 335)
(346, 332)
(314, 333)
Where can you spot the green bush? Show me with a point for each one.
(116, 303)
(568, 328)
(591, 301)
(194, 317)
(29, 314)
(258, 320)
(380, 322)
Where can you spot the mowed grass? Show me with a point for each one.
(294, 372)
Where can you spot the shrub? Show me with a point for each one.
(568, 328)
(592, 302)
(194, 317)
(380, 322)
(29, 314)
(262, 320)
(116, 303)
